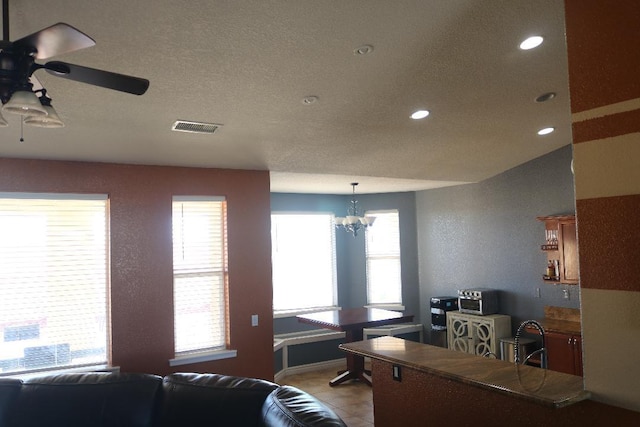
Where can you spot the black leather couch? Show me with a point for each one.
(144, 400)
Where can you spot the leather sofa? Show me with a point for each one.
(101, 399)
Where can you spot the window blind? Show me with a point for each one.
(303, 261)
(53, 281)
(199, 274)
(384, 282)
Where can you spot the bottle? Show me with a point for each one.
(551, 271)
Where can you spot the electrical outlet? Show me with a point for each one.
(537, 292)
(565, 293)
(254, 320)
(397, 373)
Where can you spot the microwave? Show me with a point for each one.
(480, 301)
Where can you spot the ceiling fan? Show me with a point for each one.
(22, 93)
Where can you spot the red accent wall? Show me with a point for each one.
(603, 52)
(141, 254)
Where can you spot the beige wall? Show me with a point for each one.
(604, 78)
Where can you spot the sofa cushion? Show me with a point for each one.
(289, 406)
(9, 389)
(213, 400)
(87, 399)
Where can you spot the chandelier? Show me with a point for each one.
(354, 221)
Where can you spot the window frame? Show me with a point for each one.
(397, 305)
(219, 348)
(333, 287)
(98, 289)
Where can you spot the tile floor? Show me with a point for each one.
(351, 400)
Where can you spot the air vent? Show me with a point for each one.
(194, 127)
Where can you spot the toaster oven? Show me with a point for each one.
(480, 301)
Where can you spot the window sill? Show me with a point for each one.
(396, 307)
(294, 313)
(90, 368)
(208, 356)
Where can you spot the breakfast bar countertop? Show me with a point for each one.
(549, 388)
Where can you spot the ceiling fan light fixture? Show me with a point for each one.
(26, 103)
(3, 122)
(51, 120)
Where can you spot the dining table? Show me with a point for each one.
(352, 321)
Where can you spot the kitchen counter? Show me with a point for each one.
(541, 386)
(561, 326)
(562, 320)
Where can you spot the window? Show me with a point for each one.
(303, 261)
(53, 281)
(384, 283)
(199, 273)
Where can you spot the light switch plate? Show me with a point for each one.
(254, 320)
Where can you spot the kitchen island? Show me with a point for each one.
(418, 384)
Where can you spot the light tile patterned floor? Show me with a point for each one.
(351, 400)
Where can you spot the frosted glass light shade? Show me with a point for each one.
(51, 120)
(26, 103)
(369, 220)
(3, 122)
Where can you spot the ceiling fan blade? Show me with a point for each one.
(55, 40)
(92, 76)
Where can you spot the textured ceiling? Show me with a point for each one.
(248, 65)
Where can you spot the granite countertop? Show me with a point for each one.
(549, 388)
(561, 326)
(562, 320)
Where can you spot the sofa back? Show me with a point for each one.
(92, 399)
(213, 400)
(9, 390)
(144, 400)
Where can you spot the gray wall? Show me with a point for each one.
(350, 251)
(486, 235)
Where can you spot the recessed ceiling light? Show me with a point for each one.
(420, 114)
(363, 50)
(545, 131)
(308, 100)
(531, 42)
(546, 97)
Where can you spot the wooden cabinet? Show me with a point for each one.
(476, 334)
(561, 247)
(564, 352)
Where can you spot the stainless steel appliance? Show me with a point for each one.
(480, 301)
(439, 307)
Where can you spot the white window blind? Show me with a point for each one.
(199, 273)
(53, 281)
(384, 283)
(303, 261)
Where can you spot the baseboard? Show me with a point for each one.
(310, 367)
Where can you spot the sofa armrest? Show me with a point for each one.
(290, 406)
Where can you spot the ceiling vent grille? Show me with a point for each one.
(194, 127)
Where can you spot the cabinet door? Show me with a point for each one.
(570, 270)
(458, 334)
(560, 352)
(577, 353)
(483, 338)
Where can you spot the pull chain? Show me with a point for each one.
(22, 129)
